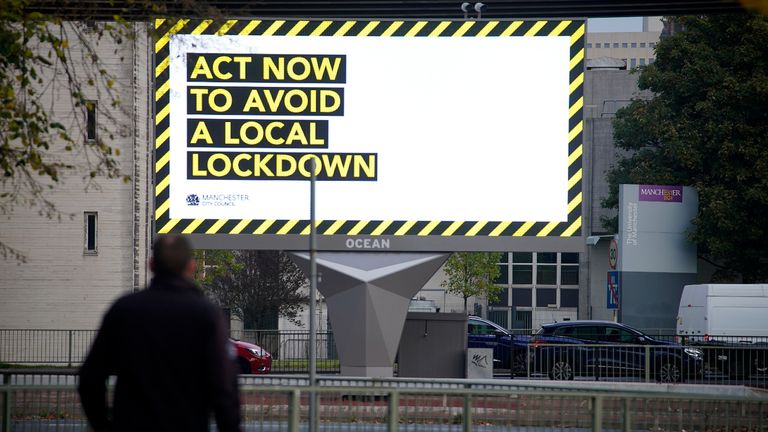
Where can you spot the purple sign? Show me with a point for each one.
(661, 193)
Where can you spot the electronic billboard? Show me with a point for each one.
(425, 135)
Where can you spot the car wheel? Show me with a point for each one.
(244, 366)
(520, 366)
(561, 370)
(669, 372)
(761, 364)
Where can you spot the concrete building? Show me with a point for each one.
(635, 48)
(79, 264)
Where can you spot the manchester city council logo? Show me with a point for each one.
(193, 200)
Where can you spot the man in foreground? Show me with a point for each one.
(168, 347)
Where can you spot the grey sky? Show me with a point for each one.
(630, 24)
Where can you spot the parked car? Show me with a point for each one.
(602, 348)
(252, 359)
(730, 323)
(509, 351)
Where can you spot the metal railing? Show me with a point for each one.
(459, 406)
(45, 346)
(695, 364)
(726, 359)
(289, 349)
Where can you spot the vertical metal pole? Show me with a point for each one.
(6, 403)
(294, 407)
(467, 413)
(528, 361)
(69, 355)
(647, 363)
(597, 414)
(393, 413)
(312, 299)
(627, 416)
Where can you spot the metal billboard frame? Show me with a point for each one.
(370, 235)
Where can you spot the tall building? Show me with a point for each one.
(635, 48)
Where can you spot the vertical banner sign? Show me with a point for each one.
(613, 290)
(425, 135)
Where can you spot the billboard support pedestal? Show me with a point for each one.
(368, 294)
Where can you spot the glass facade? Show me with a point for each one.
(535, 280)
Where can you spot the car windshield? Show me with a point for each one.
(483, 328)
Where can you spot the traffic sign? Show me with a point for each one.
(613, 254)
(613, 290)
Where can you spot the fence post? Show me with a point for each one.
(597, 414)
(627, 416)
(294, 406)
(467, 413)
(528, 361)
(69, 354)
(393, 413)
(647, 363)
(6, 427)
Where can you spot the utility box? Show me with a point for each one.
(433, 345)
(480, 363)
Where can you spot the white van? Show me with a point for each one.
(710, 311)
(730, 324)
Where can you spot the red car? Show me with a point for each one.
(252, 359)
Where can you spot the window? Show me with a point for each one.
(91, 230)
(615, 44)
(650, 61)
(589, 333)
(589, 45)
(546, 297)
(633, 45)
(546, 270)
(522, 297)
(522, 268)
(540, 279)
(642, 62)
(569, 298)
(652, 44)
(503, 278)
(613, 334)
(569, 258)
(480, 328)
(569, 269)
(642, 44)
(598, 45)
(633, 63)
(624, 45)
(90, 120)
(503, 298)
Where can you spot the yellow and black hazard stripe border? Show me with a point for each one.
(165, 28)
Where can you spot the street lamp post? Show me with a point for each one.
(312, 298)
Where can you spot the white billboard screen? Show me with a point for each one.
(423, 134)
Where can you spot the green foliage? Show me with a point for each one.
(255, 285)
(707, 127)
(45, 63)
(473, 274)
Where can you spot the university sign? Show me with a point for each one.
(424, 135)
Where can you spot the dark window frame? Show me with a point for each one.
(90, 233)
(91, 120)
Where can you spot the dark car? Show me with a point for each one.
(252, 359)
(509, 351)
(603, 348)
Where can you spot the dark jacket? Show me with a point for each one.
(169, 349)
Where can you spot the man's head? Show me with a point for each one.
(172, 256)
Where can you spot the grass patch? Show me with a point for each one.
(303, 364)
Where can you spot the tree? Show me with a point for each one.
(39, 56)
(707, 127)
(256, 285)
(473, 274)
